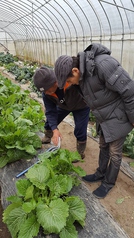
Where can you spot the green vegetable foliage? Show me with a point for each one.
(20, 120)
(43, 198)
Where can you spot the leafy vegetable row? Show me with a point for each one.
(20, 120)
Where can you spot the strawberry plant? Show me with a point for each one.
(43, 198)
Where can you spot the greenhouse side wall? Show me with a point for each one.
(7, 46)
(46, 51)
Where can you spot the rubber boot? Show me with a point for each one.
(81, 146)
(47, 137)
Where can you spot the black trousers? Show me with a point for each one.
(110, 157)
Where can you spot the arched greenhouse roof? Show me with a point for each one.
(42, 30)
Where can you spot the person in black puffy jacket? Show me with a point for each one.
(58, 104)
(109, 92)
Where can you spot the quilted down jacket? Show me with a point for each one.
(108, 90)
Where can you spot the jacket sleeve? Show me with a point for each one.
(50, 112)
(118, 80)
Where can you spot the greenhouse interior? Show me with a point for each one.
(34, 33)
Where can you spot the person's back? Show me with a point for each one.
(108, 89)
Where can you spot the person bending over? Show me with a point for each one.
(109, 92)
(58, 104)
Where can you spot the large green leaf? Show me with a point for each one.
(16, 154)
(10, 208)
(29, 192)
(45, 156)
(3, 161)
(23, 122)
(36, 141)
(14, 199)
(53, 217)
(69, 231)
(27, 148)
(38, 175)
(16, 112)
(78, 170)
(15, 219)
(74, 156)
(30, 149)
(29, 228)
(60, 184)
(77, 209)
(22, 185)
(29, 206)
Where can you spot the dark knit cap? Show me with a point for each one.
(44, 78)
(62, 68)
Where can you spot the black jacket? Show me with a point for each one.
(108, 91)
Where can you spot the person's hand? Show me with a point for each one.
(133, 124)
(56, 135)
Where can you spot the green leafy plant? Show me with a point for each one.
(6, 58)
(43, 199)
(34, 89)
(92, 117)
(128, 147)
(20, 120)
(93, 130)
(131, 164)
(22, 74)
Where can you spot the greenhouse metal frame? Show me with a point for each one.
(42, 30)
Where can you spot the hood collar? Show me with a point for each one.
(86, 58)
(97, 49)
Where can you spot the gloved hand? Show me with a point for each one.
(56, 136)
